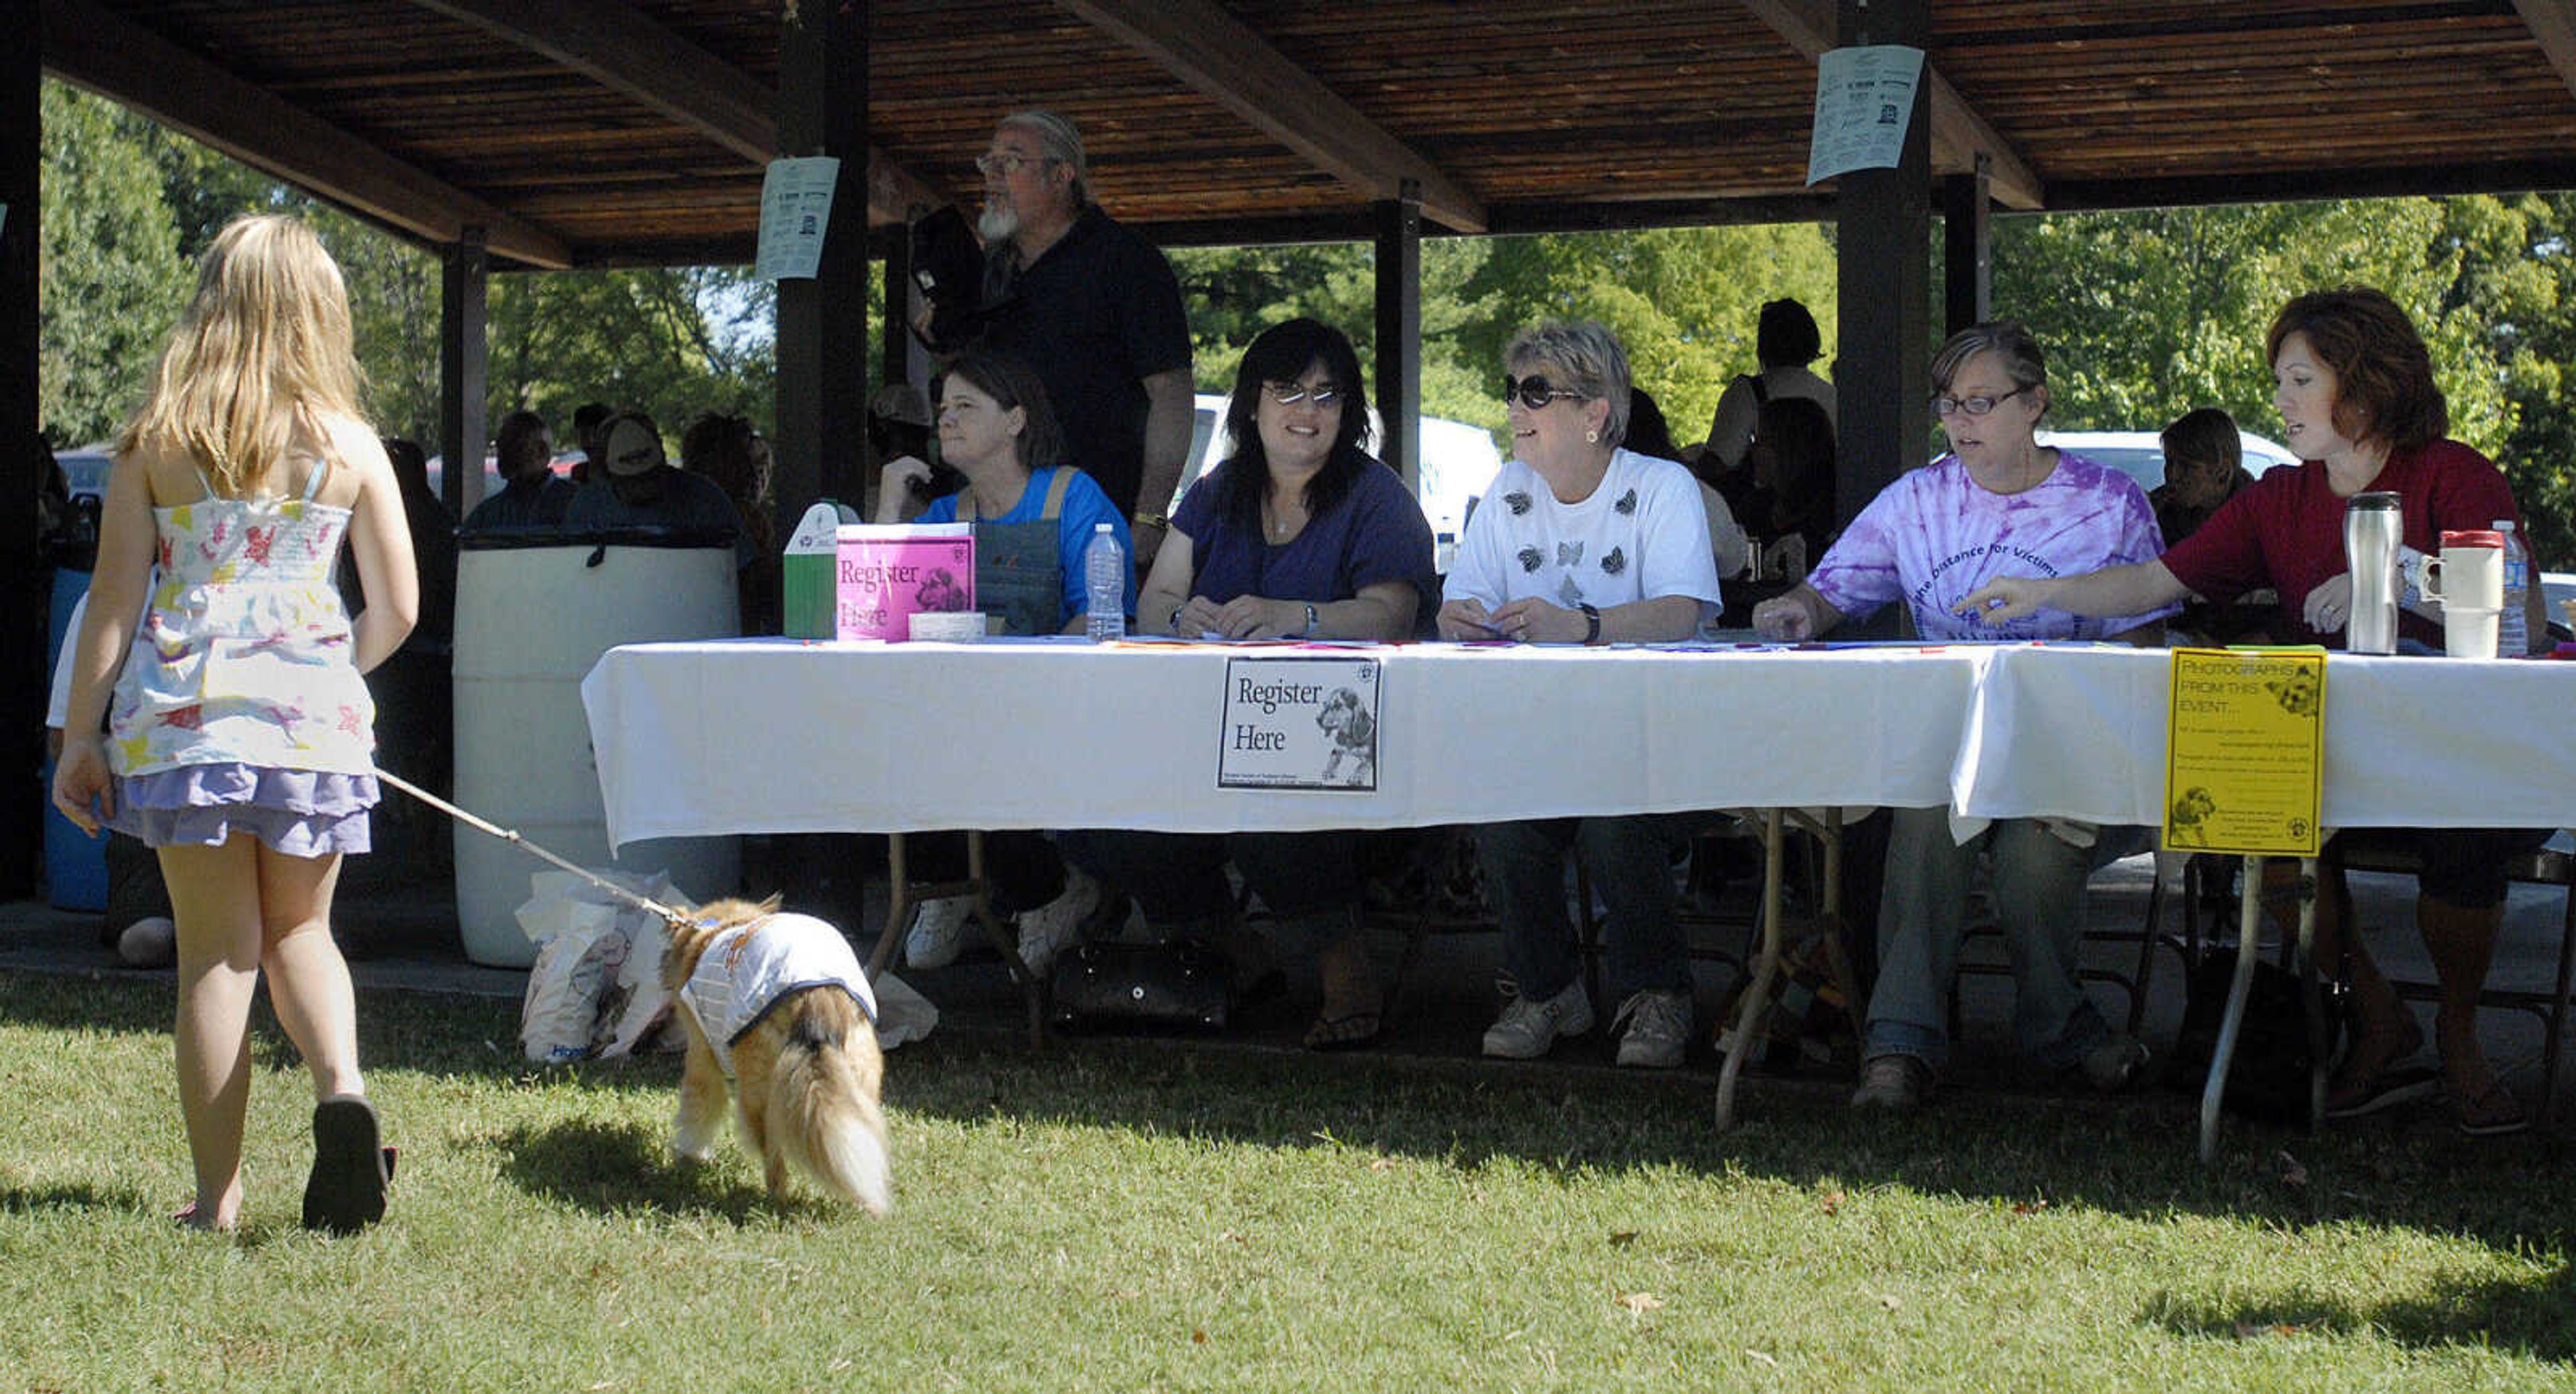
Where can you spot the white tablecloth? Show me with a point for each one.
(770, 736)
(766, 736)
(2079, 732)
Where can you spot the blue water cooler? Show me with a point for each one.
(75, 862)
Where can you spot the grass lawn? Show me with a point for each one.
(1138, 1216)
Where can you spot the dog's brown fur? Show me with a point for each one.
(807, 1079)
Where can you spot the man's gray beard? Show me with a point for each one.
(997, 223)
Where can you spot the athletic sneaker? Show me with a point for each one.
(1897, 1083)
(2115, 1064)
(1053, 927)
(939, 932)
(1659, 1025)
(1527, 1029)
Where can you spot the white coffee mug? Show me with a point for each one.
(2468, 633)
(2468, 575)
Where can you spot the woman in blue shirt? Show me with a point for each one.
(1033, 512)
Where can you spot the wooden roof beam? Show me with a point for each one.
(91, 46)
(625, 50)
(1959, 133)
(2553, 24)
(1205, 46)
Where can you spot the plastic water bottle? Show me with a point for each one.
(1104, 575)
(2513, 628)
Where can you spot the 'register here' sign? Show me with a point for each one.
(1307, 722)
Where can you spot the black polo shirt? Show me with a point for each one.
(1093, 316)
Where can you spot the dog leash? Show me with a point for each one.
(644, 903)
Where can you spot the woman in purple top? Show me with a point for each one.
(1300, 533)
(1999, 503)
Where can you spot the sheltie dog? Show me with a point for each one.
(779, 1015)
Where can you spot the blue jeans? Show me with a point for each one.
(1629, 859)
(2039, 904)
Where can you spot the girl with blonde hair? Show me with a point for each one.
(227, 724)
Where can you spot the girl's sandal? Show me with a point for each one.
(351, 1167)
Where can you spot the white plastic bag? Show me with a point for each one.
(902, 1013)
(581, 987)
(561, 1014)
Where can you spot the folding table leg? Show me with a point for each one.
(1757, 992)
(2248, 935)
(1032, 991)
(2248, 939)
(898, 901)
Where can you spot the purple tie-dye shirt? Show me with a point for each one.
(1935, 534)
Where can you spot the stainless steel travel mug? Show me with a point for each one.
(2372, 530)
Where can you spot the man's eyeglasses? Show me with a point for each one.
(1007, 162)
(1289, 394)
(1971, 406)
(1536, 392)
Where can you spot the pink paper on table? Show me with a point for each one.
(884, 574)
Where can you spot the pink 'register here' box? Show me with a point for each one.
(883, 574)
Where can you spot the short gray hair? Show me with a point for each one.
(2005, 339)
(1590, 358)
(1059, 141)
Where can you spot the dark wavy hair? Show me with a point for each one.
(1283, 353)
(522, 447)
(2384, 384)
(1787, 335)
(1011, 383)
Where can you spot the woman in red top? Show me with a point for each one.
(2354, 385)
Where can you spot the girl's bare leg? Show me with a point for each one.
(215, 897)
(308, 980)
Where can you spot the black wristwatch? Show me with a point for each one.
(1591, 623)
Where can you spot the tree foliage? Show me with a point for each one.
(110, 279)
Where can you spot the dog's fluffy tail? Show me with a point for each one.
(823, 1107)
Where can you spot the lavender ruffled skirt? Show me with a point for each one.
(300, 813)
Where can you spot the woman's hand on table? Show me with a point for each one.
(1531, 620)
(1466, 619)
(2002, 600)
(2329, 607)
(1244, 617)
(1785, 619)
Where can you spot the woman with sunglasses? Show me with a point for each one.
(1580, 541)
(1997, 504)
(1299, 533)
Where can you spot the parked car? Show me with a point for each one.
(86, 468)
(1458, 461)
(2141, 454)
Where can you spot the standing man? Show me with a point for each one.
(1094, 310)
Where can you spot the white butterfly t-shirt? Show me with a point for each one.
(1642, 535)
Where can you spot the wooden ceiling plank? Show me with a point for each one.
(1205, 46)
(1959, 134)
(623, 49)
(2553, 24)
(91, 46)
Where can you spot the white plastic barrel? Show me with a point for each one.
(533, 614)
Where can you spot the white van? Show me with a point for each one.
(1458, 462)
(2141, 454)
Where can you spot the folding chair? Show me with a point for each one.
(903, 894)
(2541, 866)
